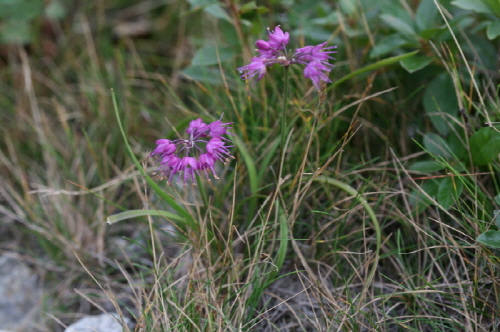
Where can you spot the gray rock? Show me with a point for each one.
(99, 323)
(19, 295)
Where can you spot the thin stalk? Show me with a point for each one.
(283, 125)
(376, 226)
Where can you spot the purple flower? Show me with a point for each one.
(188, 157)
(315, 53)
(217, 128)
(256, 66)
(164, 146)
(217, 149)
(315, 71)
(196, 127)
(274, 51)
(206, 162)
(278, 38)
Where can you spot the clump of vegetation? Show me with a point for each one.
(360, 198)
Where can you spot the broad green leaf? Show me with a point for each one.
(398, 24)
(314, 32)
(475, 5)
(348, 7)
(142, 213)
(490, 238)
(211, 7)
(458, 145)
(203, 74)
(440, 102)
(431, 187)
(437, 146)
(449, 191)
(389, 44)
(20, 10)
(419, 200)
(433, 33)
(217, 11)
(495, 6)
(55, 10)
(426, 15)
(496, 215)
(252, 6)
(15, 32)
(211, 55)
(485, 146)
(416, 63)
(426, 166)
(493, 30)
(328, 20)
(486, 50)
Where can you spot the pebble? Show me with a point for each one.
(97, 323)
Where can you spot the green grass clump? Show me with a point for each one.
(388, 176)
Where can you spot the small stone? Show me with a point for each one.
(99, 323)
(19, 295)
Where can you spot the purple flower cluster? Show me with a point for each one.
(274, 51)
(187, 157)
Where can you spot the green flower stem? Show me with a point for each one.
(283, 125)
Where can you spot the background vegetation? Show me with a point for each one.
(390, 176)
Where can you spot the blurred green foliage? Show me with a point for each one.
(20, 19)
(447, 90)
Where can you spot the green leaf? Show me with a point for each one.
(475, 5)
(389, 44)
(493, 30)
(373, 66)
(449, 191)
(418, 200)
(203, 74)
(210, 7)
(348, 7)
(331, 19)
(416, 63)
(485, 146)
(433, 33)
(211, 55)
(142, 213)
(23, 10)
(495, 6)
(486, 50)
(217, 11)
(490, 238)
(15, 32)
(426, 166)
(398, 24)
(426, 15)
(55, 10)
(496, 215)
(458, 145)
(251, 7)
(440, 102)
(437, 146)
(249, 162)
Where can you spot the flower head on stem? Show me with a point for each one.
(198, 153)
(274, 51)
